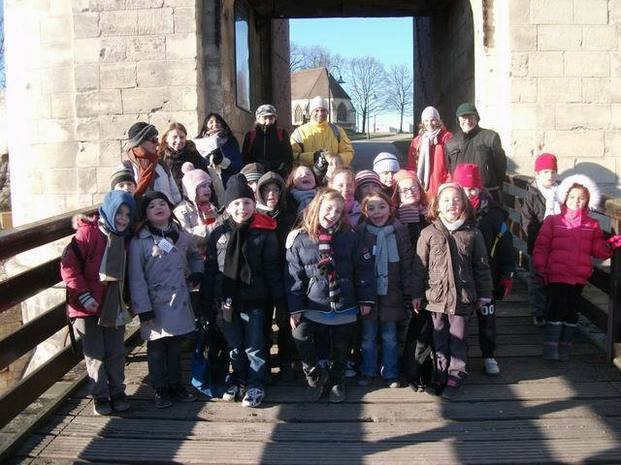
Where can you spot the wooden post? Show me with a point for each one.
(613, 342)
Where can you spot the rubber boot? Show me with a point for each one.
(564, 347)
(551, 340)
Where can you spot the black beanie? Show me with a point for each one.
(122, 174)
(139, 132)
(237, 188)
(146, 199)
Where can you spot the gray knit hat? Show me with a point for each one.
(266, 110)
(139, 132)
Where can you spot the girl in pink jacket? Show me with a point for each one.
(562, 257)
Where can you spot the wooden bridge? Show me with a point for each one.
(534, 412)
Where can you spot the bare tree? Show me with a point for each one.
(366, 78)
(399, 93)
(316, 56)
(2, 57)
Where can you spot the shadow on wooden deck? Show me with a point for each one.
(534, 412)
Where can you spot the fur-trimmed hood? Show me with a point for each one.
(584, 181)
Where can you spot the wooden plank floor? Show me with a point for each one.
(535, 412)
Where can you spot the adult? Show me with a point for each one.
(267, 143)
(149, 172)
(427, 154)
(319, 140)
(474, 144)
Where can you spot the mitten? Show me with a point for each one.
(614, 242)
(507, 284)
(320, 168)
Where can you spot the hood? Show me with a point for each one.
(586, 182)
(267, 178)
(80, 221)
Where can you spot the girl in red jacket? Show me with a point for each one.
(93, 268)
(562, 258)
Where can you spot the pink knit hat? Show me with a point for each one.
(546, 161)
(192, 179)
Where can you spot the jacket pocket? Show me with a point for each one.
(467, 293)
(437, 289)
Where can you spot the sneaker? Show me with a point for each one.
(350, 370)
(253, 397)
(232, 393)
(102, 407)
(491, 366)
(539, 321)
(364, 380)
(337, 393)
(393, 383)
(120, 403)
(451, 390)
(162, 398)
(179, 392)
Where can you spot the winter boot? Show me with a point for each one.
(316, 378)
(567, 335)
(551, 340)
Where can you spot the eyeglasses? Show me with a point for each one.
(405, 190)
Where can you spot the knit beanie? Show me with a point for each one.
(192, 179)
(467, 108)
(237, 188)
(468, 175)
(122, 174)
(139, 132)
(365, 177)
(253, 171)
(148, 197)
(546, 161)
(385, 162)
(430, 113)
(266, 110)
(317, 102)
(447, 185)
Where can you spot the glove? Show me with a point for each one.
(320, 168)
(195, 278)
(216, 157)
(506, 283)
(614, 242)
(146, 316)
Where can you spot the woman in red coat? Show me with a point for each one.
(426, 155)
(562, 258)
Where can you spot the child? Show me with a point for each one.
(386, 165)
(329, 280)
(411, 203)
(162, 259)
(343, 181)
(243, 275)
(198, 215)
(123, 180)
(93, 268)
(366, 182)
(253, 172)
(539, 203)
(491, 221)
(452, 260)
(390, 244)
(302, 187)
(562, 258)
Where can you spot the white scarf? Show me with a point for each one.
(385, 251)
(454, 226)
(553, 206)
(423, 169)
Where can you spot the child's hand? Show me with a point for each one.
(91, 306)
(416, 304)
(294, 320)
(365, 310)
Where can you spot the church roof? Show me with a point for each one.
(309, 83)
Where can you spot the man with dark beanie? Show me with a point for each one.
(474, 144)
(242, 274)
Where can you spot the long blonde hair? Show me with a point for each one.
(310, 220)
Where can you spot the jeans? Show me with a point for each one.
(245, 336)
(164, 360)
(390, 348)
(537, 295)
(450, 338)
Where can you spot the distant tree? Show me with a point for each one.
(315, 56)
(398, 92)
(2, 57)
(366, 79)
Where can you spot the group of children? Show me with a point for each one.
(339, 261)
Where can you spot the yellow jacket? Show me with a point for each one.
(310, 137)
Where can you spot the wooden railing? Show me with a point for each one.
(606, 277)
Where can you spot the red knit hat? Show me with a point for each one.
(468, 175)
(546, 161)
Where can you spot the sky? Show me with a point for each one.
(387, 39)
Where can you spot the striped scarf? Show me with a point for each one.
(410, 213)
(327, 266)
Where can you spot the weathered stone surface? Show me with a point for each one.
(575, 143)
(600, 37)
(146, 48)
(524, 90)
(588, 64)
(519, 64)
(582, 116)
(559, 90)
(180, 46)
(110, 153)
(150, 100)
(62, 104)
(86, 50)
(596, 90)
(116, 126)
(119, 23)
(87, 154)
(615, 64)
(615, 116)
(184, 20)
(86, 25)
(551, 11)
(545, 64)
(56, 30)
(613, 143)
(532, 116)
(519, 12)
(591, 11)
(156, 21)
(58, 80)
(172, 73)
(113, 49)
(87, 129)
(117, 75)
(86, 77)
(559, 37)
(87, 104)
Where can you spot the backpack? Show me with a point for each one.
(252, 135)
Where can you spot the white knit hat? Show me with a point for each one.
(385, 162)
(583, 181)
(430, 113)
(317, 102)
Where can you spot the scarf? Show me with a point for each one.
(475, 202)
(303, 198)
(385, 252)
(112, 272)
(147, 163)
(326, 264)
(553, 206)
(236, 268)
(410, 213)
(423, 170)
(454, 226)
(170, 232)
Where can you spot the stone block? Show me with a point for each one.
(87, 104)
(167, 73)
(139, 4)
(119, 23)
(559, 37)
(87, 180)
(86, 50)
(116, 126)
(183, 98)
(59, 181)
(87, 155)
(519, 12)
(113, 49)
(545, 64)
(185, 20)
(57, 155)
(532, 116)
(615, 12)
(575, 143)
(57, 79)
(180, 46)
(62, 104)
(146, 48)
(582, 116)
(95, 103)
(110, 102)
(56, 30)
(188, 118)
(156, 21)
(591, 11)
(615, 116)
(615, 64)
(80, 6)
(177, 3)
(612, 140)
(106, 5)
(600, 37)
(551, 11)
(596, 90)
(149, 100)
(86, 25)
(53, 55)
(524, 145)
(86, 77)
(117, 75)
(60, 8)
(519, 65)
(87, 129)
(559, 90)
(110, 153)
(587, 64)
(524, 90)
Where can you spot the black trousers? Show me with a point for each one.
(486, 318)
(563, 301)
